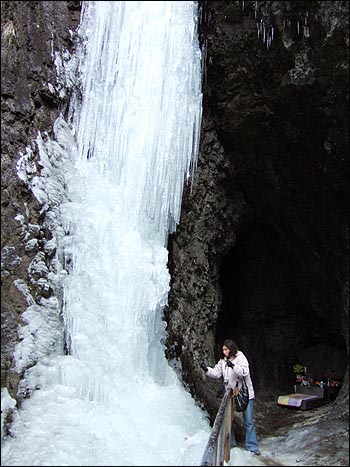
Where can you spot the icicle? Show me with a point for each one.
(255, 9)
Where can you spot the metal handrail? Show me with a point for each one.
(220, 436)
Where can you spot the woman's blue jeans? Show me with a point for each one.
(251, 442)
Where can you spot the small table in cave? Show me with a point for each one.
(309, 396)
(330, 392)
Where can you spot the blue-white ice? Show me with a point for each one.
(112, 183)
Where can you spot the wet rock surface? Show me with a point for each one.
(294, 437)
(31, 31)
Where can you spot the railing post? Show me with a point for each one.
(228, 424)
(219, 444)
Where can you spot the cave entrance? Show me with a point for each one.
(264, 311)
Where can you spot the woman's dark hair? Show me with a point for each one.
(232, 346)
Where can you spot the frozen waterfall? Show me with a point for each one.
(127, 147)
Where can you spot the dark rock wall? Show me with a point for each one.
(261, 251)
(29, 32)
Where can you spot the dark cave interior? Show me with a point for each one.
(264, 309)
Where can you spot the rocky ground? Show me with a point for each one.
(297, 437)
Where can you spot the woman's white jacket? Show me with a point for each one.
(233, 376)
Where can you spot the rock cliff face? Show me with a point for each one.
(261, 251)
(260, 254)
(29, 33)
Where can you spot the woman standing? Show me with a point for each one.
(233, 367)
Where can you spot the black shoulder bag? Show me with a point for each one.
(242, 397)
